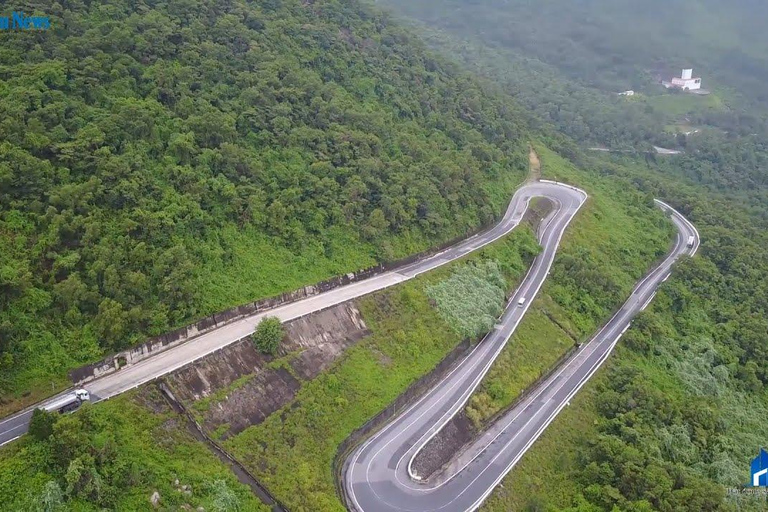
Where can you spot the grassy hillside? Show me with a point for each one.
(670, 424)
(410, 337)
(293, 450)
(614, 242)
(163, 160)
(114, 456)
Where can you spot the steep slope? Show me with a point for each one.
(163, 160)
(673, 421)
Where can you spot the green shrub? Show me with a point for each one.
(268, 335)
(471, 299)
(41, 424)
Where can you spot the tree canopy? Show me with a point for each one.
(268, 335)
(138, 136)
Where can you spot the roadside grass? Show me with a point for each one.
(620, 233)
(242, 265)
(234, 266)
(536, 345)
(139, 446)
(543, 478)
(292, 451)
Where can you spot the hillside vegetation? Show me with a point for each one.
(674, 419)
(163, 160)
(615, 44)
(115, 456)
(606, 250)
(292, 451)
(672, 422)
(410, 335)
(565, 61)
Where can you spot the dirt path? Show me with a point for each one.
(534, 165)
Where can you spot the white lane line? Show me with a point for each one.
(673, 257)
(523, 289)
(10, 440)
(465, 395)
(107, 389)
(565, 220)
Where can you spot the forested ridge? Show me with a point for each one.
(565, 61)
(146, 146)
(161, 160)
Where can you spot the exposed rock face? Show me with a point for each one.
(250, 389)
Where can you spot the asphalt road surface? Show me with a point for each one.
(132, 376)
(378, 475)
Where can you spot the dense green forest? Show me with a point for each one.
(619, 44)
(608, 247)
(565, 61)
(116, 456)
(163, 160)
(676, 416)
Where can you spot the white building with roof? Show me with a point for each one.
(687, 81)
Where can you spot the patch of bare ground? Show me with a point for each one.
(534, 165)
(456, 434)
(538, 209)
(163, 392)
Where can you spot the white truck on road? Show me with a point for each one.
(68, 403)
(691, 240)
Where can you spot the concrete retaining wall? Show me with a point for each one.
(171, 339)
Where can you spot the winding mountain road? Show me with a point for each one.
(172, 359)
(379, 475)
